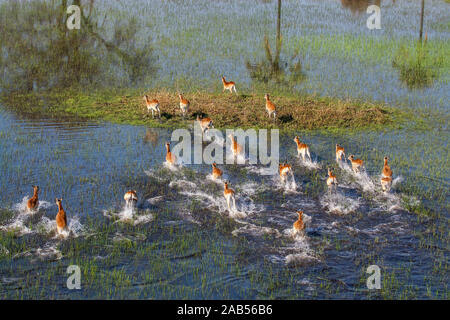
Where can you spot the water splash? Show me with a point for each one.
(338, 203)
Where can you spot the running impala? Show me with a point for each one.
(270, 107)
(33, 202)
(302, 149)
(357, 164)
(236, 148)
(228, 85)
(331, 180)
(340, 153)
(216, 172)
(152, 105)
(61, 219)
(285, 169)
(130, 198)
(229, 196)
(299, 225)
(205, 123)
(170, 158)
(387, 172)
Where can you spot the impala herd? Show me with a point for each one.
(285, 169)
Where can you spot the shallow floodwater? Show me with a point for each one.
(181, 242)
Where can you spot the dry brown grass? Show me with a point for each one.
(227, 110)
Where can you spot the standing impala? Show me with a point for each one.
(184, 104)
(302, 149)
(61, 219)
(152, 105)
(270, 107)
(33, 202)
(228, 85)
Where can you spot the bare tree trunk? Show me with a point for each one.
(421, 21)
(278, 49)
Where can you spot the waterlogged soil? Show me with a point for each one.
(182, 242)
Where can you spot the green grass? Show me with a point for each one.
(295, 112)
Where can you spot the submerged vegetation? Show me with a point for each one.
(417, 67)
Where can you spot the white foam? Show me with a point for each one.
(22, 206)
(254, 230)
(300, 259)
(309, 163)
(336, 202)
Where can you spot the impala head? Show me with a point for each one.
(168, 146)
(225, 185)
(300, 214)
(351, 157)
(180, 95)
(330, 172)
(337, 146)
(386, 159)
(58, 201)
(223, 78)
(35, 189)
(214, 165)
(266, 96)
(297, 139)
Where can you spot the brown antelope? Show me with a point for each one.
(228, 85)
(340, 153)
(33, 202)
(357, 164)
(236, 148)
(216, 172)
(387, 172)
(152, 105)
(386, 183)
(299, 225)
(61, 219)
(285, 169)
(270, 107)
(229, 196)
(302, 149)
(331, 180)
(170, 158)
(205, 123)
(130, 198)
(184, 104)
